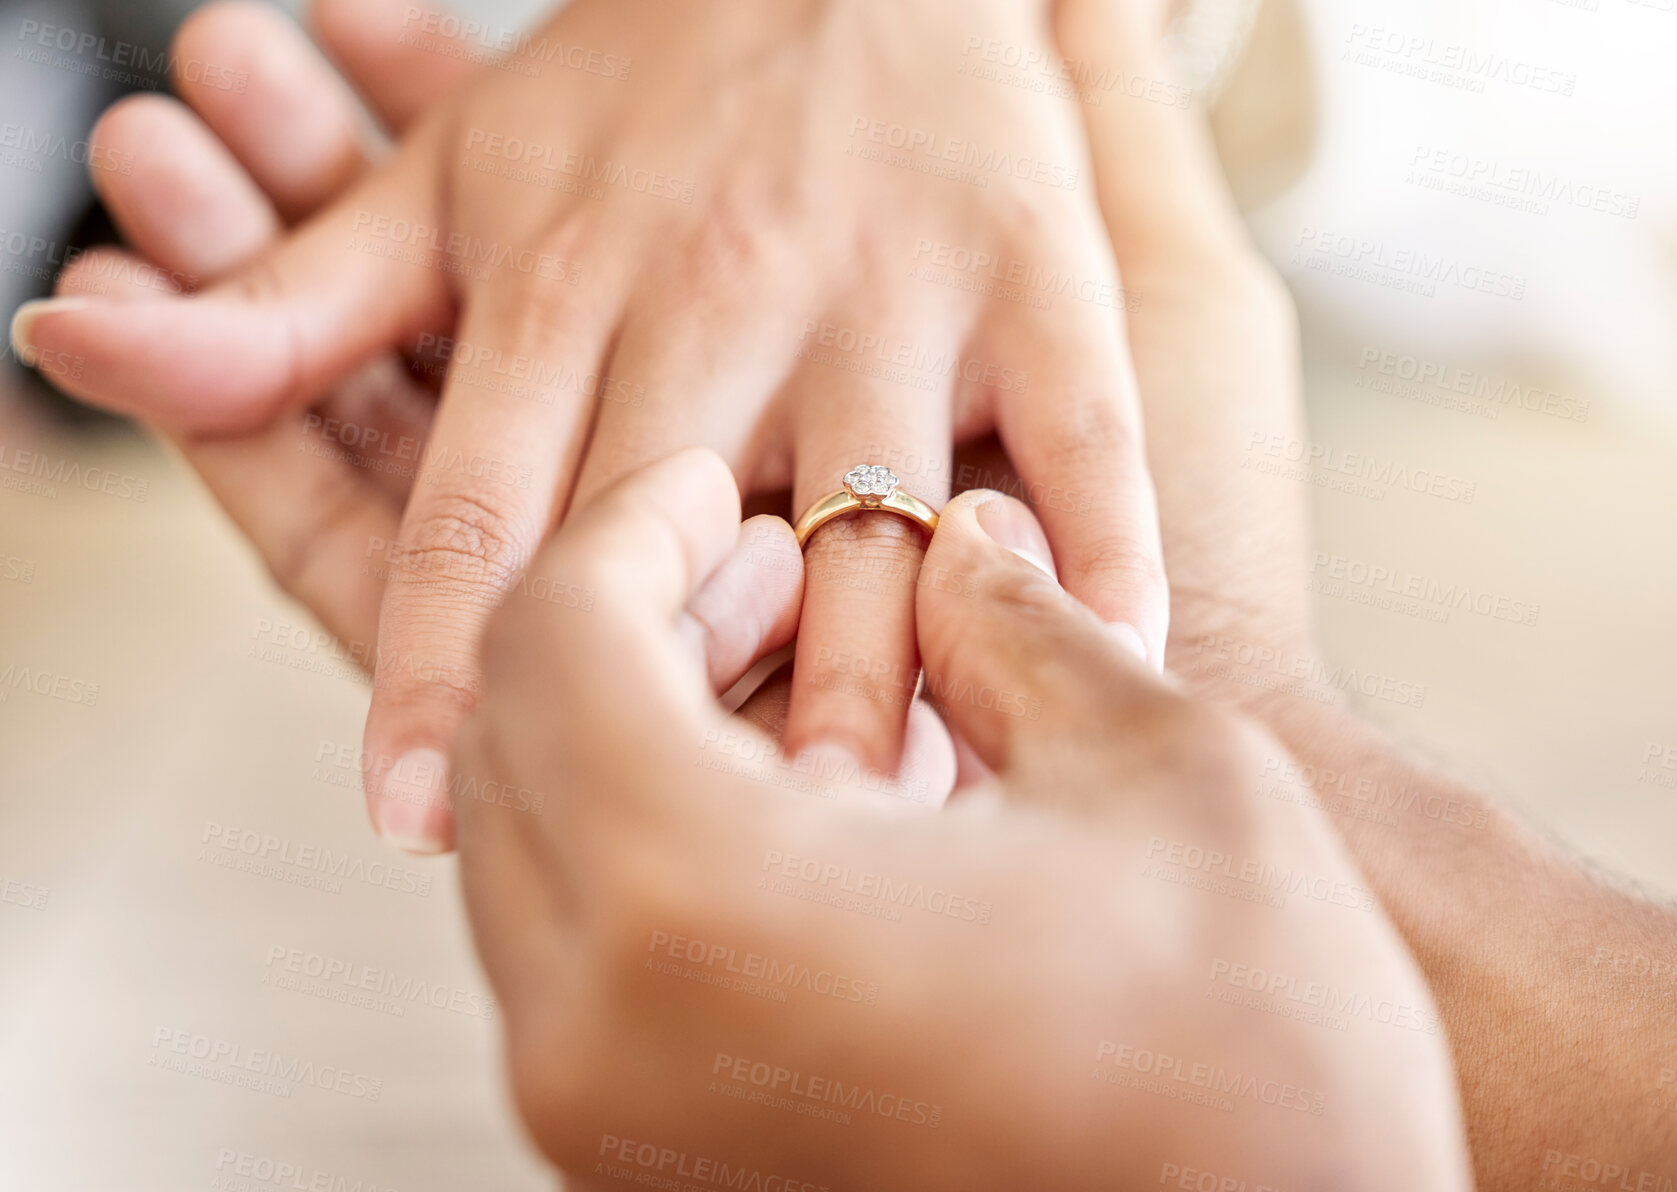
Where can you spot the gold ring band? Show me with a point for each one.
(867, 486)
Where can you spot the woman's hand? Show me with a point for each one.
(807, 234)
(708, 956)
(1215, 345)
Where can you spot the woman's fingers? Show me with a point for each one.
(400, 55)
(698, 345)
(276, 334)
(857, 667)
(1075, 435)
(497, 471)
(749, 607)
(359, 279)
(294, 124)
(186, 204)
(314, 522)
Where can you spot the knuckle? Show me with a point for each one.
(465, 542)
(565, 240)
(1087, 430)
(543, 311)
(732, 250)
(1119, 560)
(535, 291)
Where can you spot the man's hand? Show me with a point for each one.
(790, 231)
(1549, 980)
(709, 955)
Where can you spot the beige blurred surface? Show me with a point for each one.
(219, 711)
(159, 928)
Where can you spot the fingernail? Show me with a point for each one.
(23, 322)
(412, 811)
(1011, 524)
(829, 763)
(1129, 637)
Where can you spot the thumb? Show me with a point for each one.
(1016, 666)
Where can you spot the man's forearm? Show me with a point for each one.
(1558, 991)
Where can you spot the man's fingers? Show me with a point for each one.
(1013, 662)
(1186, 206)
(186, 204)
(400, 55)
(321, 527)
(273, 336)
(595, 694)
(494, 479)
(255, 79)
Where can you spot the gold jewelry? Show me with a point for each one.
(866, 486)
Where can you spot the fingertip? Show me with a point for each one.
(186, 202)
(118, 130)
(214, 33)
(27, 332)
(977, 529)
(189, 363)
(709, 474)
(410, 806)
(1011, 524)
(399, 54)
(255, 78)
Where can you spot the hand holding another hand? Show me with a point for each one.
(1016, 991)
(745, 244)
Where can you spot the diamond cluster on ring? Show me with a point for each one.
(871, 482)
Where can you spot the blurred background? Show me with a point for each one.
(1474, 204)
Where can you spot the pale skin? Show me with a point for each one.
(729, 236)
(1509, 932)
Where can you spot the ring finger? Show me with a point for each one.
(857, 663)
